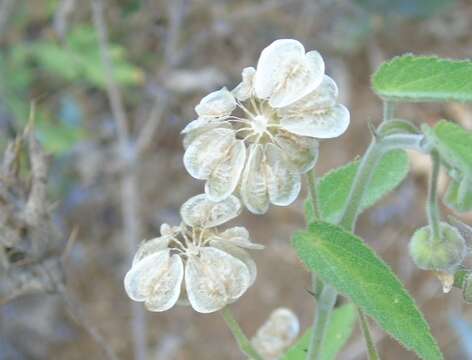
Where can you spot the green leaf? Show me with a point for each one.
(344, 261)
(424, 78)
(334, 187)
(459, 195)
(340, 326)
(453, 143)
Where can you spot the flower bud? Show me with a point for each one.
(439, 254)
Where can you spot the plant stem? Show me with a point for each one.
(325, 304)
(311, 177)
(243, 342)
(371, 350)
(359, 185)
(432, 202)
(388, 110)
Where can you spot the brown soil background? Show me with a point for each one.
(222, 37)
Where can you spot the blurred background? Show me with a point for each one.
(116, 175)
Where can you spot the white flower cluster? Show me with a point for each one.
(258, 139)
(261, 137)
(216, 268)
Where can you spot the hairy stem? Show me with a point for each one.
(311, 177)
(325, 304)
(388, 110)
(371, 350)
(432, 202)
(243, 342)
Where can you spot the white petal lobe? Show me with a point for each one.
(239, 236)
(225, 176)
(202, 212)
(328, 123)
(283, 184)
(214, 279)
(141, 279)
(166, 289)
(300, 152)
(218, 104)
(254, 185)
(206, 150)
(150, 247)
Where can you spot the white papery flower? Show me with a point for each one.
(276, 335)
(214, 265)
(268, 140)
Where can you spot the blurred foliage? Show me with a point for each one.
(405, 8)
(75, 61)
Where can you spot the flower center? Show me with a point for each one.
(259, 124)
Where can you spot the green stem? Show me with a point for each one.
(388, 110)
(243, 342)
(325, 304)
(432, 202)
(371, 350)
(311, 177)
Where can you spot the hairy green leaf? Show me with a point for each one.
(459, 195)
(454, 144)
(333, 188)
(424, 78)
(344, 261)
(340, 326)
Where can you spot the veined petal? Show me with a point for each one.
(205, 151)
(285, 73)
(324, 124)
(300, 152)
(245, 89)
(218, 104)
(239, 236)
(323, 96)
(238, 253)
(166, 290)
(156, 275)
(199, 211)
(225, 176)
(254, 185)
(283, 184)
(199, 126)
(150, 247)
(215, 278)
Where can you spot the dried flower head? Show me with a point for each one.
(262, 135)
(215, 265)
(276, 335)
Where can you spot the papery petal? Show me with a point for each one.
(238, 253)
(277, 334)
(199, 211)
(214, 279)
(300, 152)
(245, 89)
(323, 96)
(254, 185)
(204, 153)
(283, 183)
(158, 276)
(324, 124)
(285, 73)
(225, 176)
(150, 247)
(166, 290)
(199, 126)
(239, 236)
(218, 104)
